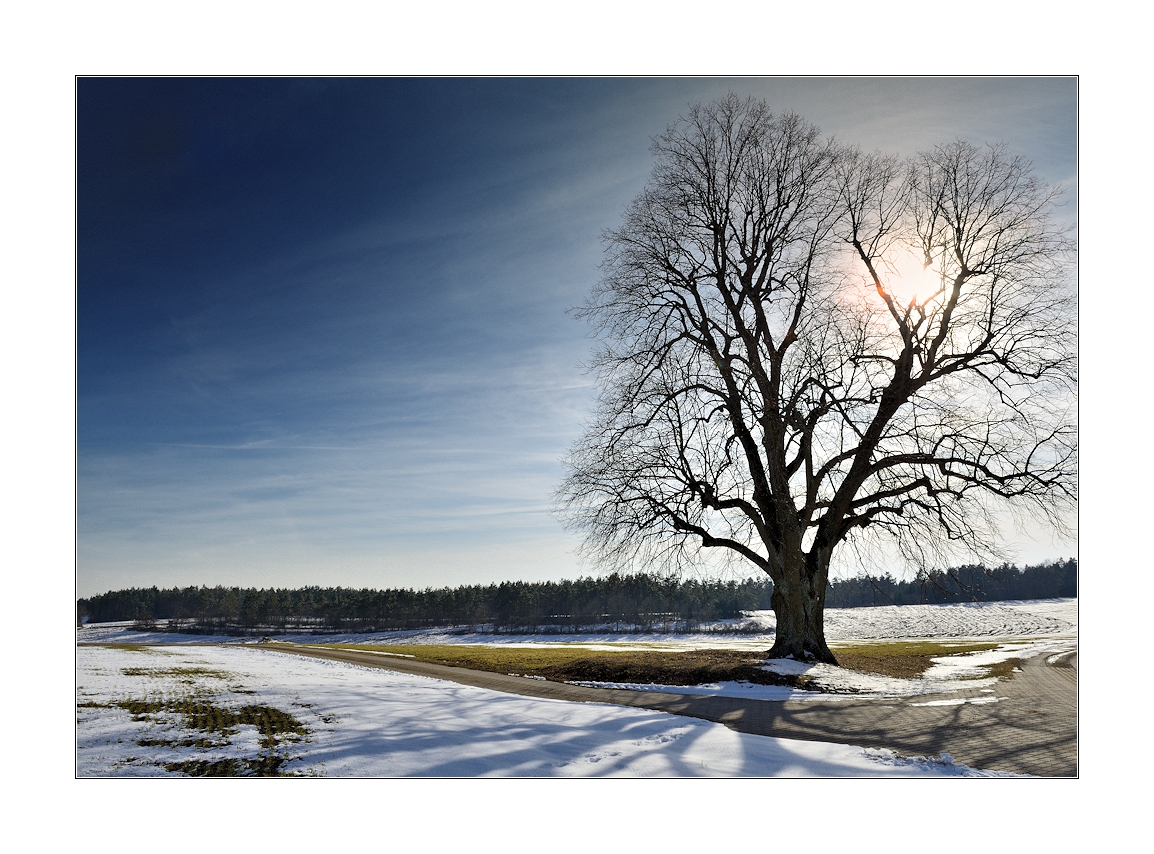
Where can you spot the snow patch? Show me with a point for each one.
(943, 763)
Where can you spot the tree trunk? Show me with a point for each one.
(798, 601)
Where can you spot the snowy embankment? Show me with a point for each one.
(368, 722)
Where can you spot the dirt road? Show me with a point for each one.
(1031, 728)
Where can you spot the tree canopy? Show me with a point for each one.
(805, 345)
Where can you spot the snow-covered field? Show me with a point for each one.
(365, 722)
(979, 621)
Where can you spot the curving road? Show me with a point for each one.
(1030, 729)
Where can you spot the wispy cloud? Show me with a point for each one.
(342, 355)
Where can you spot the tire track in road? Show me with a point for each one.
(1030, 729)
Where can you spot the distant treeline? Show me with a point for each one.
(960, 584)
(638, 602)
(644, 601)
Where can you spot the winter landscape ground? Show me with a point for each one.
(158, 704)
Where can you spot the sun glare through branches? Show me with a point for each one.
(909, 280)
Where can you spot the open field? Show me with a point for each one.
(239, 709)
(968, 621)
(182, 711)
(887, 651)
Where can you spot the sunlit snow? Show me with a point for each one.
(370, 722)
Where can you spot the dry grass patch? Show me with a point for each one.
(901, 659)
(898, 659)
(132, 647)
(195, 719)
(212, 726)
(495, 659)
(1002, 669)
(575, 664)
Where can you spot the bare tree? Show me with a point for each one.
(769, 391)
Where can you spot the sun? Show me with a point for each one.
(906, 277)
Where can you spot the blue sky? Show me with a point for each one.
(322, 333)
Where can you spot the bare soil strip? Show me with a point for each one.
(1032, 729)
